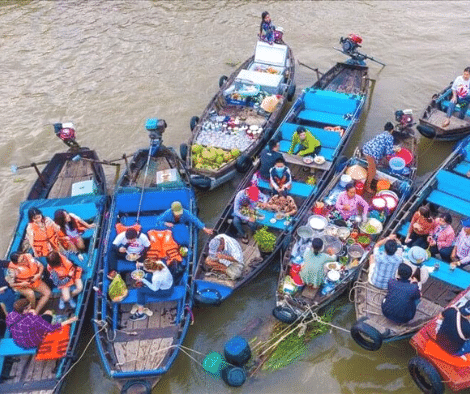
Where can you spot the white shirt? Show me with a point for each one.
(161, 280)
(461, 86)
(134, 247)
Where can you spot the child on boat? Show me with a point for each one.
(280, 178)
(267, 31)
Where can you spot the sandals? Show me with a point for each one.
(446, 123)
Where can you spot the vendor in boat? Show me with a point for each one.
(25, 277)
(460, 255)
(128, 245)
(313, 269)
(304, 143)
(415, 258)
(42, 233)
(399, 305)
(421, 226)
(375, 150)
(268, 158)
(27, 328)
(441, 238)
(348, 203)
(244, 209)
(460, 95)
(178, 215)
(267, 31)
(225, 255)
(453, 334)
(280, 178)
(282, 204)
(383, 264)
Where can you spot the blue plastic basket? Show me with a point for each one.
(397, 164)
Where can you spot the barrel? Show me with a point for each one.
(237, 351)
(214, 363)
(234, 376)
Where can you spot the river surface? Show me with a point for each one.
(108, 65)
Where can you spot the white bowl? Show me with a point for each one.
(319, 160)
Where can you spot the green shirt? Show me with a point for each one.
(309, 143)
(312, 271)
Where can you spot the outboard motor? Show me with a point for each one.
(350, 44)
(404, 125)
(66, 132)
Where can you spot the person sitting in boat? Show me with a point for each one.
(313, 269)
(282, 204)
(268, 158)
(267, 31)
(415, 258)
(280, 178)
(399, 305)
(460, 95)
(178, 215)
(384, 262)
(7, 295)
(304, 143)
(244, 209)
(441, 238)
(225, 253)
(64, 275)
(42, 233)
(375, 150)
(27, 328)
(24, 276)
(453, 334)
(421, 226)
(348, 203)
(128, 245)
(71, 229)
(460, 255)
(161, 283)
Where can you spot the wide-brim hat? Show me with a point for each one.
(417, 255)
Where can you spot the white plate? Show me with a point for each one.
(333, 275)
(272, 220)
(308, 160)
(319, 160)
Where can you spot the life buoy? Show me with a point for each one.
(243, 164)
(163, 246)
(366, 336)
(284, 314)
(426, 377)
(222, 80)
(426, 131)
(208, 297)
(291, 92)
(45, 240)
(193, 122)
(184, 151)
(65, 270)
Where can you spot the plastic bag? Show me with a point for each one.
(117, 289)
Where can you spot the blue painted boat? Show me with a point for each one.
(137, 353)
(330, 109)
(446, 190)
(74, 181)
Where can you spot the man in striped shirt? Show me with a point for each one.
(384, 264)
(460, 255)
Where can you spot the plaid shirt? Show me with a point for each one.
(28, 330)
(384, 268)
(462, 244)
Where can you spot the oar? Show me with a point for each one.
(14, 168)
(319, 73)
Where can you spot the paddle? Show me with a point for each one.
(319, 73)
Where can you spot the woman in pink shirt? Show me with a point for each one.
(348, 202)
(441, 238)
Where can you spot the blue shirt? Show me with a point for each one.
(186, 218)
(448, 337)
(268, 159)
(384, 268)
(399, 305)
(380, 146)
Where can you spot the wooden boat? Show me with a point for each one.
(446, 190)
(349, 240)
(430, 123)
(224, 140)
(330, 109)
(75, 181)
(137, 353)
(433, 366)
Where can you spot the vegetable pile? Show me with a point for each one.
(265, 240)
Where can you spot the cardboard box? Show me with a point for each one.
(166, 177)
(83, 188)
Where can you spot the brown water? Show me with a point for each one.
(108, 65)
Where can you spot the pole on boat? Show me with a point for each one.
(319, 73)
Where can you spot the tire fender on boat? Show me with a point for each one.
(366, 336)
(193, 122)
(284, 314)
(183, 151)
(208, 297)
(426, 377)
(243, 164)
(222, 80)
(291, 92)
(426, 131)
(201, 182)
(234, 376)
(136, 386)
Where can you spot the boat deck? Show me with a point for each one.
(436, 117)
(72, 172)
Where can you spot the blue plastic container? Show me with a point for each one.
(397, 165)
(237, 351)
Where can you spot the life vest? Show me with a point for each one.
(54, 344)
(163, 246)
(120, 228)
(64, 238)
(24, 273)
(44, 240)
(67, 267)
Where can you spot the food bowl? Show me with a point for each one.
(343, 233)
(319, 160)
(363, 240)
(137, 274)
(308, 159)
(317, 222)
(305, 232)
(355, 251)
(333, 243)
(132, 256)
(333, 266)
(279, 216)
(272, 220)
(344, 180)
(372, 226)
(331, 230)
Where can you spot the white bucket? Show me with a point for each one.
(344, 180)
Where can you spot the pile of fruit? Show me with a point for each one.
(210, 158)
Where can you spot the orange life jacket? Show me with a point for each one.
(163, 246)
(120, 228)
(54, 344)
(63, 237)
(65, 269)
(44, 240)
(24, 273)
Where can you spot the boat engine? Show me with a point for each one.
(404, 125)
(66, 132)
(350, 44)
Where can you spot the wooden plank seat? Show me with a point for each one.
(453, 184)
(298, 188)
(462, 168)
(328, 139)
(329, 101)
(403, 230)
(445, 105)
(324, 117)
(450, 202)
(457, 277)
(327, 153)
(9, 348)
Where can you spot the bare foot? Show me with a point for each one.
(446, 123)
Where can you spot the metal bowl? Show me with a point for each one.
(355, 251)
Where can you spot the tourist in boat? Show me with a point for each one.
(349, 201)
(225, 253)
(244, 209)
(24, 276)
(64, 275)
(441, 238)
(384, 263)
(128, 245)
(282, 204)
(304, 143)
(42, 233)
(27, 328)
(280, 178)
(415, 258)
(71, 229)
(313, 268)
(421, 226)
(399, 305)
(161, 283)
(7, 295)
(178, 215)
(268, 158)
(460, 95)
(453, 334)
(460, 255)
(375, 150)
